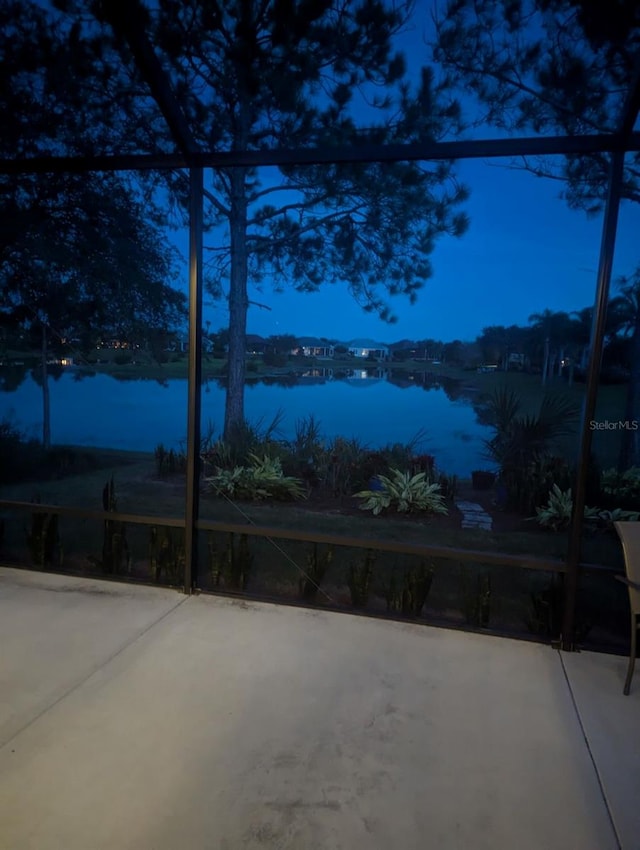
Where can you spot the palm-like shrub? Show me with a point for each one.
(522, 443)
(406, 492)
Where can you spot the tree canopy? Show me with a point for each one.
(80, 255)
(552, 66)
(256, 75)
(547, 66)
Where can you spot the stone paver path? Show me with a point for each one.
(474, 516)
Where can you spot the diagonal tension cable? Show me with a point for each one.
(281, 550)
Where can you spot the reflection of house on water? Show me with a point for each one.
(426, 380)
(366, 377)
(309, 374)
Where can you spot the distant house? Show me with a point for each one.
(368, 348)
(311, 346)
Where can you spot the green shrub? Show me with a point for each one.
(43, 541)
(410, 596)
(248, 438)
(169, 462)
(340, 465)
(556, 514)
(264, 479)
(231, 563)
(318, 563)
(605, 519)
(360, 575)
(406, 492)
(304, 453)
(448, 486)
(116, 557)
(19, 456)
(546, 607)
(476, 593)
(522, 445)
(167, 555)
(122, 358)
(623, 487)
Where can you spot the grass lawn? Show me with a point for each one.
(139, 490)
(276, 571)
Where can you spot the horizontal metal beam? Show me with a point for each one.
(425, 550)
(445, 552)
(469, 149)
(80, 513)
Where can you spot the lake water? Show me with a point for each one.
(138, 414)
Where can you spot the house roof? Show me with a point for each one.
(367, 343)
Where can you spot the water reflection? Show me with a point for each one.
(376, 404)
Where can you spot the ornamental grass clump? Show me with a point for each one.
(405, 492)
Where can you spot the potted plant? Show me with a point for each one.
(483, 479)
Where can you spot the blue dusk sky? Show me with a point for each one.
(525, 251)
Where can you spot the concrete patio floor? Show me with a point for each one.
(136, 718)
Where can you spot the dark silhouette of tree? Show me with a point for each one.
(280, 74)
(497, 343)
(452, 352)
(547, 66)
(550, 66)
(552, 330)
(282, 343)
(79, 254)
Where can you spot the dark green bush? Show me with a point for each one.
(20, 457)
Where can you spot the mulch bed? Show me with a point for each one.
(503, 521)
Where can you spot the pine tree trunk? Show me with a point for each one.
(46, 402)
(630, 442)
(238, 305)
(545, 367)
